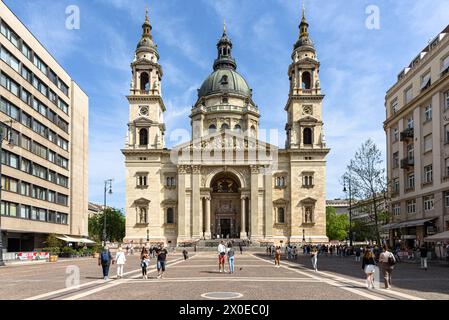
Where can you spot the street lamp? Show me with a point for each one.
(348, 181)
(148, 235)
(8, 137)
(107, 189)
(303, 235)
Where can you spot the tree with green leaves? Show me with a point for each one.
(115, 226)
(337, 226)
(366, 172)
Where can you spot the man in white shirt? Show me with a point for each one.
(221, 256)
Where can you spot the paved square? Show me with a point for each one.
(255, 278)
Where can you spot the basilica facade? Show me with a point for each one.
(225, 182)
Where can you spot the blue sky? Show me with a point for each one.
(358, 65)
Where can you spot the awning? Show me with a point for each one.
(413, 223)
(443, 236)
(74, 239)
(405, 224)
(390, 226)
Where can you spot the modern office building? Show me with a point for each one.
(417, 131)
(44, 114)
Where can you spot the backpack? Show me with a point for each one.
(105, 256)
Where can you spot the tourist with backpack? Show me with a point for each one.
(105, 260)
(387, 262)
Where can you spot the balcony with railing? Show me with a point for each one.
(407, 134)
(407, 163)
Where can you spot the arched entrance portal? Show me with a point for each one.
(225, 206)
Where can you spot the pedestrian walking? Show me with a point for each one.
(277, 257)
(120, 260)
(369, 267)
(358, 253)
(241, 248)
(231, 255)
(161, 254)
(314, 258)
(221, 256)
(423, 255)
(185, 253)
(387, 262)
(144, 262)
(105, 260)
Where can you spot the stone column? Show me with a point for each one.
(254, 201)
(243, 234)
(181, 203)
(268, 206)
(196, 232)
(208, 234)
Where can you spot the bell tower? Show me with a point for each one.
(146, 106)
(304, 107)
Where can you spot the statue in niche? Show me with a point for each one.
(308, 215)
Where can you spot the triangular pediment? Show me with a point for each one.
(225, 147)
(309, 119)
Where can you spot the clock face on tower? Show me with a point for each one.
(143, 111)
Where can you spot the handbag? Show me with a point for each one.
(370, 268)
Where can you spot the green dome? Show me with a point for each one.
(225, 80)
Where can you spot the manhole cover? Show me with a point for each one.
(222, 295)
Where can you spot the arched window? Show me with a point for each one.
(238, 128)
(253, 132)
(212, 128)
(224, 127)
(281, 215)
(170, 216)
(144, 81)
(143, 137)
(306, 81)
(308, 136)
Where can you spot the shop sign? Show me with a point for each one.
(431, 230)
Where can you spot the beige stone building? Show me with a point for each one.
(417, 129)
(225, 182)
(44, 165)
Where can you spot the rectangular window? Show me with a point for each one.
(428, 112)
(397, 209)
(25, 96)
(428, 174)
(395, 160)
(394, 107)
(40, 64)
(446, 133)
(411, 181)
(51, 196)
(26, 120)
(446, 199)
(9, 34)
(9, 59)
(26, 74)
(425, 81)
(408, 95)
(410, 123)
(62, 199)
(25, 212)
(411, 206)
(52, 176)
(9, 85)
(63, 87)
(445, 65)
(411, 152)
(25, 165)
(26, 51)
(63, 106)
(447, 167)
(396, 185)
(25, 142)
(428, 144)
(428, 203)
(25, 189)
(63, 181)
